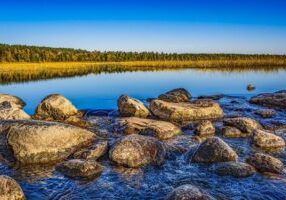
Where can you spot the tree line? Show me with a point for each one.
(22, 53)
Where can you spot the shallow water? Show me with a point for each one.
(102, 91)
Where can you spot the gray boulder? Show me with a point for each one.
(235, 169)
(130, 107)
(176, 96)
(276, 100)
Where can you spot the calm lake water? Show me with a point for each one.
(100, 91)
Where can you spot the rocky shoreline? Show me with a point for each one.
(141, 135)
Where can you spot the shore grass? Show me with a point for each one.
(21, 72)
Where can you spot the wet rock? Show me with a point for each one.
(245, 124)
(43, 142)
(130, 107)
(161, 129)
(266, 163)
(13, 100)
(176, 96)
(10, 189)
(266, 113)
(276, 100)
(182, 143)
(232, 132)
(235, 169)
(183, 113)
(137, 150)
(267, 140)
(11, 111)
(55, 107)
(205, 128)
(250, 87)
(188, 192)
(81, 168)
(96, 151)
(214, 150)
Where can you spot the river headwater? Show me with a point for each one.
(100, 92)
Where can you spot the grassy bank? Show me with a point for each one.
(20, 72)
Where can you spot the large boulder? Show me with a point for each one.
(10, 189)
(214, 150)
(13, 100)
(133, 125)
(235, 169)
(266, 163)
(245, 124)
(137, 150)
(43, 142)
(9, 110)
(55, 107)
(277, 99)
(205, 128)
(183, 113)
(94, 152)
(130, 107)
(267, 140)
(176, 96)
(81, 168)
(188, 192)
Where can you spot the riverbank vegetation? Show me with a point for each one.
(26, 63)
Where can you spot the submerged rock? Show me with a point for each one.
(205, 128)
(81, 168)
(55, 107)
(266, 113)
(13, 100)
(188, 192)
(161, 129)
(10, 189)
(235, 169)
(182, 113)
(245, 124)
(176, 96)
(214, 150)
(137, 151)
(266, 163)
(267, 140)
(96, 151)
(130, 107)
(277, 99)
(11, 111)
(43, 142)
(232, 132)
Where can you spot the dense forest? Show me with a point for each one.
(22, 53)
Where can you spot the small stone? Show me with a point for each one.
(10, 189)
(176, 96)
(130, 107)
(96, 151)
(214, 150)
(266, 163)
(232, 132)
(235, 169)
(244, 124)
(264, 139)
(266, 113)
(251, 87)
(205, 128)
(81, 168)
(188, 192)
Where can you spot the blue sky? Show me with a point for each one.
(242, 26)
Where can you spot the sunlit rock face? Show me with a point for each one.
(183, 113)
(130, 107)
(244, 124)
(10, 189)
(43, 142)
(13, 100)
(267, 140)
(137, 151)
(12, 111)
(176, 96)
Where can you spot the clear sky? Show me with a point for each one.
(230, 26)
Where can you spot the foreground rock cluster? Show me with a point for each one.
(141, 135)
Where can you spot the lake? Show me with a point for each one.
(100, 91)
